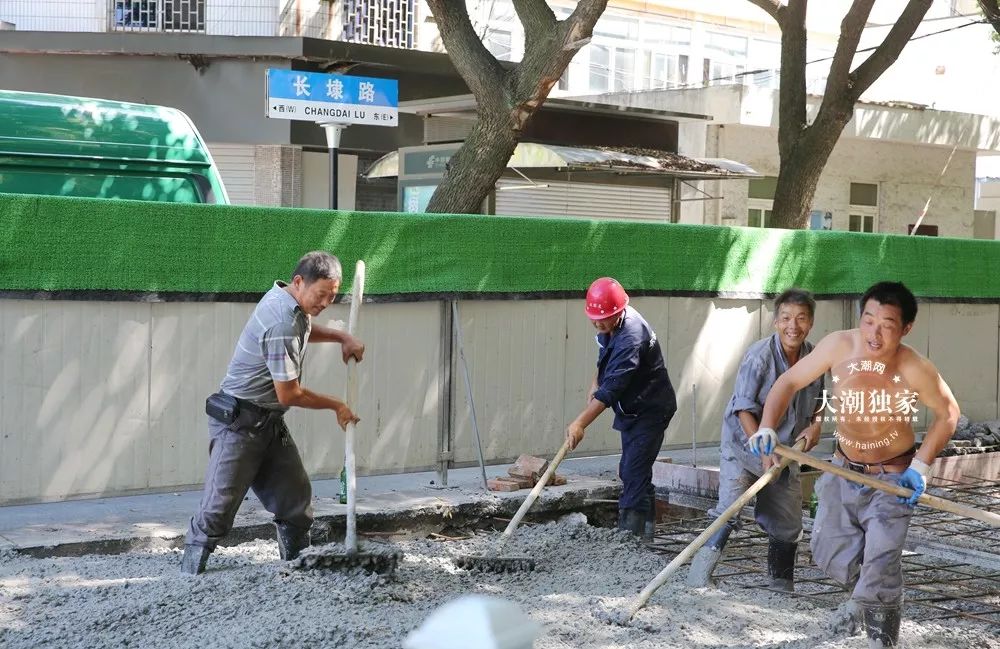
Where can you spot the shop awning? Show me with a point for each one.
(531, 155)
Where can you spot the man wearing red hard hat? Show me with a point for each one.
(632, 380)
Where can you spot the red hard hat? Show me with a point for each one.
(605, 298)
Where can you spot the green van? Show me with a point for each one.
(73, 146)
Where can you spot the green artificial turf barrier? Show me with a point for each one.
(64, 245)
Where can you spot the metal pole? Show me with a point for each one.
(333, 132)
(468, 391)
(694, 424)
(445, 415)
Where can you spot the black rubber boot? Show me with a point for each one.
(781, 564)
(882, 625)
(632, 520)
(194, 559)
(707, 558)
(291, 541)
(650, 527)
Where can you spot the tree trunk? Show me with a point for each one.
(473, 170)
(991, 11)
(800, 171)
(805, 149)
(507, 96)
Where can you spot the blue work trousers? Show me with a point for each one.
(641, 442)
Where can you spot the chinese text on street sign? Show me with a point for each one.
(316, 97)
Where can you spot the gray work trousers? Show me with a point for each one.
(253, 452)
(778, 509)
(858, 536)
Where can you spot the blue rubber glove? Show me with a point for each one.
(915, 477)
(762, 442)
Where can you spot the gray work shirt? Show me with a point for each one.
(763, 363)
(271, 348)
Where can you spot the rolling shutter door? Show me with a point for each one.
(584, 199)
(236, 165)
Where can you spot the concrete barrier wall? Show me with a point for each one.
(100, 398)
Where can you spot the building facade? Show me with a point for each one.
(209, 57)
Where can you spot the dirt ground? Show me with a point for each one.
(249, 598)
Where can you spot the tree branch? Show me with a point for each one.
(537, 19)
(792, 90)
(546, 58)
(477, 66)
(851, 28)
(992, 13)
(888, 51)
(774, 8)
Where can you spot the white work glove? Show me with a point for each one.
(915, 477)
(762, 442)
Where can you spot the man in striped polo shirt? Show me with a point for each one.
(250, 446)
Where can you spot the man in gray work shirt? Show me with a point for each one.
(250, 446)
(779, 505)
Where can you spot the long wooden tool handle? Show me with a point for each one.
(530, 500)
(702, 538)
(357, 293)
(925, 499)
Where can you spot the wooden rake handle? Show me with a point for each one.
(695, 545)
(925, 499)
(530, 500)
(357, 294)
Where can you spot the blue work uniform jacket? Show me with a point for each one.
(632, 378)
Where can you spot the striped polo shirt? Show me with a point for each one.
(271, 348)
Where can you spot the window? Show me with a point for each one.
(616, 27)
(664, 55)
(864, 194)
(727, 45)
(924, 230)
(564, 80)
(136, 14)
(387, 23)
(765, 58)
(612, 54)
(761, 195)
(861, 223)
(759, 217)
(498, 42)
(726, 58)
(159, 15)
(716, 72)
(665, 70)
(600, 67)
(863, 213)
(105, 183)
(763, 188)
(624, 69)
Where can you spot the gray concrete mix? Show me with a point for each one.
(250, 599)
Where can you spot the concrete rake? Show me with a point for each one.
(494, 562)
(348, 556)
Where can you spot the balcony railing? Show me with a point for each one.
(378, 22)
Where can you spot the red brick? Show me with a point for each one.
(529, 466)
(502, 484)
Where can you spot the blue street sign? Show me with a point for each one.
(336, 98)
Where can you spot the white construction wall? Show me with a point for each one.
(102, 398)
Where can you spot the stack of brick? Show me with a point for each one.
(525, 474)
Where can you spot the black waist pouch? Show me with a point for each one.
(222, 407)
